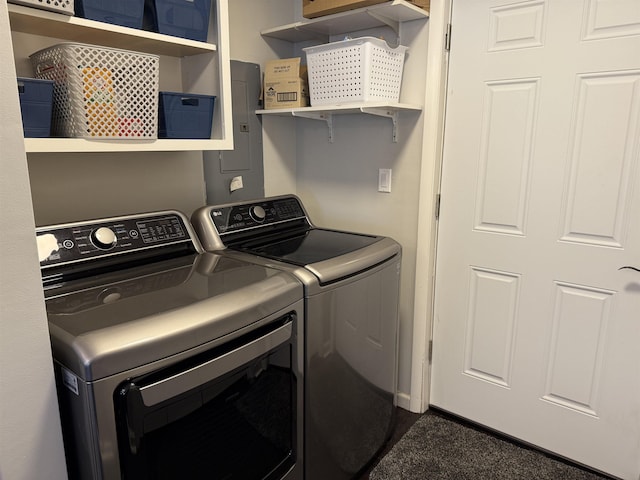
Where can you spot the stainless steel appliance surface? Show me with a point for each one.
(171, 362)
(351, 283)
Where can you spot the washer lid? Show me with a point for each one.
(330, 255)
(126, 319)
(310, 246)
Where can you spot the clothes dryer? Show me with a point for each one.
(171, 362)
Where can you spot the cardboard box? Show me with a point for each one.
(421, 3)
(285, 84)
(319, 8)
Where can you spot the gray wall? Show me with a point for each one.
(247, 18)
(80, 186)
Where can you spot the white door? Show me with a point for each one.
(537, 331)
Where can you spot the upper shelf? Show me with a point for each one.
(76, 29)
(321, 28)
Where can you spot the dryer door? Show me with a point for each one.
(227, 413)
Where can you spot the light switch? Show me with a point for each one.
(384, 180)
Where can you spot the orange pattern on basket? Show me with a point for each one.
(99, 105)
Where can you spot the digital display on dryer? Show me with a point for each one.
(160, 230)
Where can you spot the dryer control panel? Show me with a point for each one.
(80, 241)
(243, 216)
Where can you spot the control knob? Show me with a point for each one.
(257, 213)
(104, 238)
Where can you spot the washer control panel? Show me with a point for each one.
(60, 244)
(238, 217)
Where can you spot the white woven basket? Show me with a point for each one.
(363, 69)
(60, 6)
(100, 92)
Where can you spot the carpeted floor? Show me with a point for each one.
(439, 447)
(403, 422)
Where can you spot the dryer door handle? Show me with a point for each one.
(179, 383)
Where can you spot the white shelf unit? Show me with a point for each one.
(204, 65)
(391, 14)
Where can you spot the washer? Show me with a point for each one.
(351, 284)
(171, 362)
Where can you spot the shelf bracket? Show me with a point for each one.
(323, 116)
(393, 24)
(311, 33)
(387, 113)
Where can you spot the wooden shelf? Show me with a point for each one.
(75, 29)
(390, 14)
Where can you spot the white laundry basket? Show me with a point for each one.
(101, 92)
(61, 6)
(357, 70)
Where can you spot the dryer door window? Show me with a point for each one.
(240, 425)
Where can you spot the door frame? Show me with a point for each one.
(431, 166)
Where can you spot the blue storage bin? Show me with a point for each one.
(127, 13)
(36, 102)
(180, 18)
(185, 115)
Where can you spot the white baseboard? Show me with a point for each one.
(403, 400)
